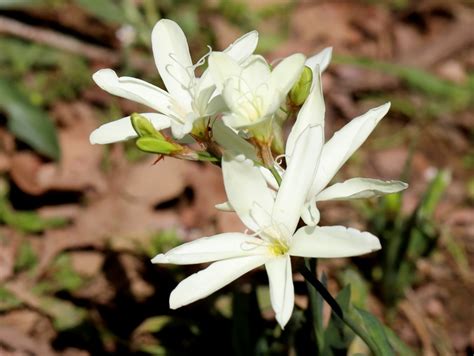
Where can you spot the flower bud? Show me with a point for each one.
(156, 145)
(302, 87)
(144, 128)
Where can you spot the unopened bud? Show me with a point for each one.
(144, 128)
(156, 145)
(302, 87)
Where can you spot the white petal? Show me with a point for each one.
(172, 58)
(203, 283)
(312, 113)
(239, 51)
(297, 180)
(245, 186)
(332, 242)
(282, 293)
(255, 74)
(286, 73)
(344, 143)
(122, 129)
(231, 141)
(270, 178)
(213, 248)
(222, 67)
(310, 213)
(224, 207)
(134, 89)
(320, 59)
(357, 188)
(181, 129)
(243, 47)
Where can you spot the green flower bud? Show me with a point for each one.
(302, 87)
(144, 128)
(156, 145)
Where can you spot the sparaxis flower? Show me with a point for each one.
(187, 98)
(274, 219)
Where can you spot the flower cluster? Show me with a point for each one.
(235, 112)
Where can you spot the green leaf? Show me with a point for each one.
(8, 300)
(106, 10)
(28, 122)
(65, 314)
(14, 4)
(376, 331)
(26, 258)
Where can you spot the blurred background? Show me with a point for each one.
(79, 223)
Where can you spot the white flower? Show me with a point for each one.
(251, 91)
(335, 153)
(274, 219)
(187, 99)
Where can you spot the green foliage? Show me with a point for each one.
(26, 258)
(439, 95)
(36, 69)
(376, 332)
(405, 239)
(25, 221)
(28, 122)
(107, 10)
(65, 315)
(64, 277)
(8, 300)
(161, 242)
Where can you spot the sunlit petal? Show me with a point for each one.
(332, 242)
(122, 129)
(357, 188)
(245, 186)
(134, 89)
(344, 143)
(172, 58)
(282, 293)
(297, 180)
(213, 248)
(203, 283)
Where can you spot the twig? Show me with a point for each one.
(57, 40)
(69, 44)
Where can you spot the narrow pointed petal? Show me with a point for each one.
(134, 89)
(213, 248)
(245, 185)
(332, 242)
(312, 113)
(203, 283)
(297, 180)
(286, 73)
(172, 58)
(358, 188)
(344, 143)
(122, 129)
(231, 141)
(321, 60)
(282, 293)
(243, 47)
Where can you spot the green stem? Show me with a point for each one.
(315, 306)
(275, 174)
(321, 289)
